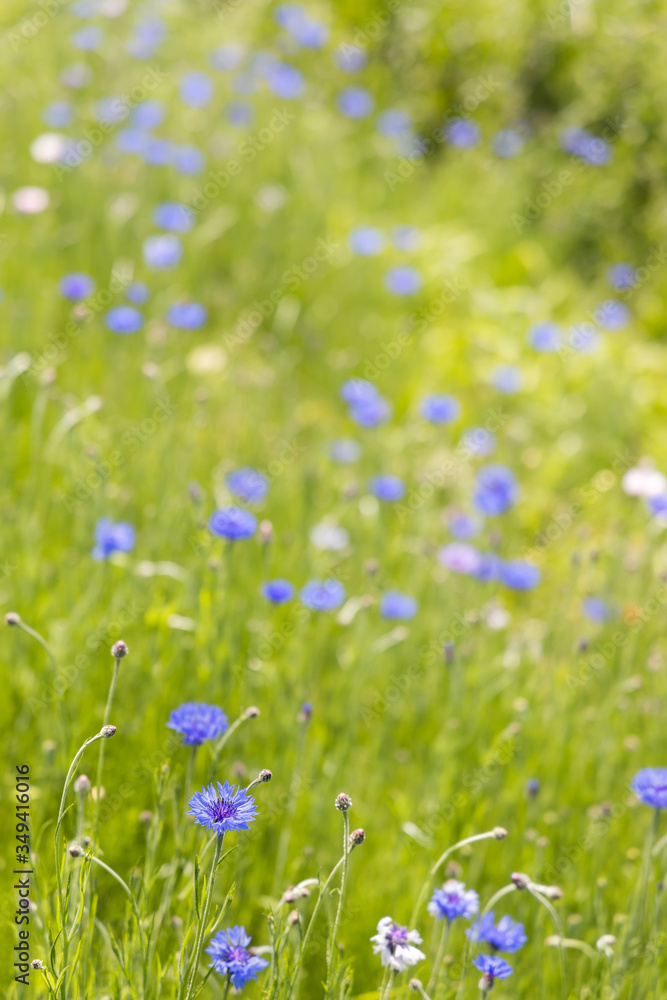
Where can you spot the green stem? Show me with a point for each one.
(309, 928)
(100, 758)
(390, 985)
(339, 909)
(442, 947)
(438, 864)
(201, 930)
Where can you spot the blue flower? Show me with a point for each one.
(493, 967)
(247, 484)
(496, 490)
(350, 58)
(345, 451)
(158, 153)
(162, 252)
(519, 575)
(278, 591)
(464, 526)
(440, 409)
(371, 412)
(188, 159)
(137, 292)
(76, 286)
(110, 537)
(124, 319)
(196, 89)
(222, 808)
(488, 568)
(355, 102)
(358, 390)
(366, 241)
(230, 957)
(88, 39)
(532, 787)
(650, 786)
(397, 606)
(323, 596)
(285, 81)
(387, 488)
(460, 558)
(187, 315)
(198, 722)
(545, 336)
(612, 315)
(233, 523)
(463, 133)
(507, 936)
(506, 379)
(587, 147)
(403, 280)
(453, 901)
(394, 123)
(658, 506)
(596, 609)
(58, 115)
(621, 276)
(132, 140)
(148, 114)
(174, 216)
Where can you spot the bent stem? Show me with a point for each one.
(311, 923)
(201, 929)
(100, 758)
(490, 834)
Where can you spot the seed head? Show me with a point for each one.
(108, 731)
(119, 649)
(343, 802)
(82, 784)
(499, 832)
(357, 837)
(13, 618)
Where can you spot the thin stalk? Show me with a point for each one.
(339, 909)
(100, 758)
(390, 985)
(309, 928)
(201, 930)
(438, 864)
(442, 947)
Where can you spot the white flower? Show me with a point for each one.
(48, 147)
(30, 200)
(396, 945)
(329, 537)
(643, 481)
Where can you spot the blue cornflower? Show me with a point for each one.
(323, 596)
(285, 81)
(532, 787)
(355, 102)
(345, 451)
(460, 558)
(453, 901)
(596, 609)
(233, 523)
(545, 336)
(387, 488)
(158, 152)
(394, 123)
(148, 114)
(174, 216)
(492, 967)
(124, 319)
(586, 146)
(310, 34)
(187, 315)
(462, 132)
(198, 722)
(162, 252)
(350, 58)
(621, 276)
(358, 390)
(519, 575)
(403, 280)
(439, 408)
(247, 484)
(88, 39)
(508, 935)
(110, 537)
(188, 159)
(496, 490)
(506, 379)
(366, 241)
(222, 808)
(650, 786)
(278, 591)
(196, 89)
(612, 315)
(371, 412)
(132, 140)
(488, 568)
(76, 286)
(239, 113)
(463, 526)
(658, 505)
(397, 606)
(230, 957)
(137, 292)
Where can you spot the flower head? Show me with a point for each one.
(247, 484)
(440, 408)
(545, 336)
(76, 287)
(355, 102)
(233, 523)
(403, 280)
(519, 575)
(124, 319)
(394, 605)
(650, 786)
(110, 537)
(496, 490)
(387, 488)
(221, 808)
(453, 901)
(323, 596)
(230, 956)
(492, 967)
(358, 390)
(396, 945)
(278, 591)
(162, 252)
(187, 315)
(371, 412)
(198, 722)
(507, 935)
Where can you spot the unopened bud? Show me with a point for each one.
(119, 649)
(293, 917)
(108, 731)
(76, 851)
(146, 816)
(265, 531)
(520, 879)
(37, 964)
(251, 713)
(357, 837)
(499, 832)
(416, 984)
(265, 774)
(82, 784)
(13, 618)
(343, 802)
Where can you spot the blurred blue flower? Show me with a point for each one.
(532, 787)
(453, 901)
(137, 292)
(388, 488)
(403, 280)
(323, 596)
(464, 526)
(440, 408)
(545, 336)
(111, 110)
(230, 956)
(488, 568)
(650, 786)
(350, 58)
(612, 315)
(247, 484)
(397, 606)
(239, 113)
(278, 591)
(658, 506)
(479, 441)
(345, 451)
(367, 241)
(196, 89)
(519, 575)
(286, 81)
(158, 152)
(508, 935)
(222, 808)
(358, 390)
(198, 722)
(492, 967)
(587, 147)
(596, 609)
(507, 379)
(459, 558)
(124, 319)
(622, 277)
(394, 123)
(76, 286)
(131, 140)
(87, 39)
(149, 34)
(507, 143)
(496, 490)
(162, 252)
(227, 57)
(187, 315)
(355, 102)
(174, 216)
(112, 537)
(462, 133)
(233, 523)
(187, 159)
(148, 114)
(371, 412)
(58, 115)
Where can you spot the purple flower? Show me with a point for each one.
(148, 114)
(403, 280)
(233, 523)
(162, 252)
(110, 537)
(355, 102)
(621, 276)
(174, 216)
(507, 935)
(323, 596)
(545, 336)
(358, 390)
(366, 241)
(76, 286)
(397, 606)
(137, 292)
(453, 901)
(650, 786)
(440, 409)
(464, 526)
(387, 488)
(519, 575)
(612, 315)
(247, 484)
(187, 315)
(492, 967)
(396, 945)
(196, 89)
(496, 490)
(198, 722)
(223, 808)
(286, 81)
(462, 132)
(230, 956)
(124, 319)
(371, 412)
(278, 591)
(460, 558)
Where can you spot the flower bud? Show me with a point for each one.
(520, 879)
(76, 851)
(13, 618)
(265, 774)
(251, 713)
(119, 649)
(343, 802)
(499, 832)
(293, 917)
(357, 837)
(108, 731)
(82, 784)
